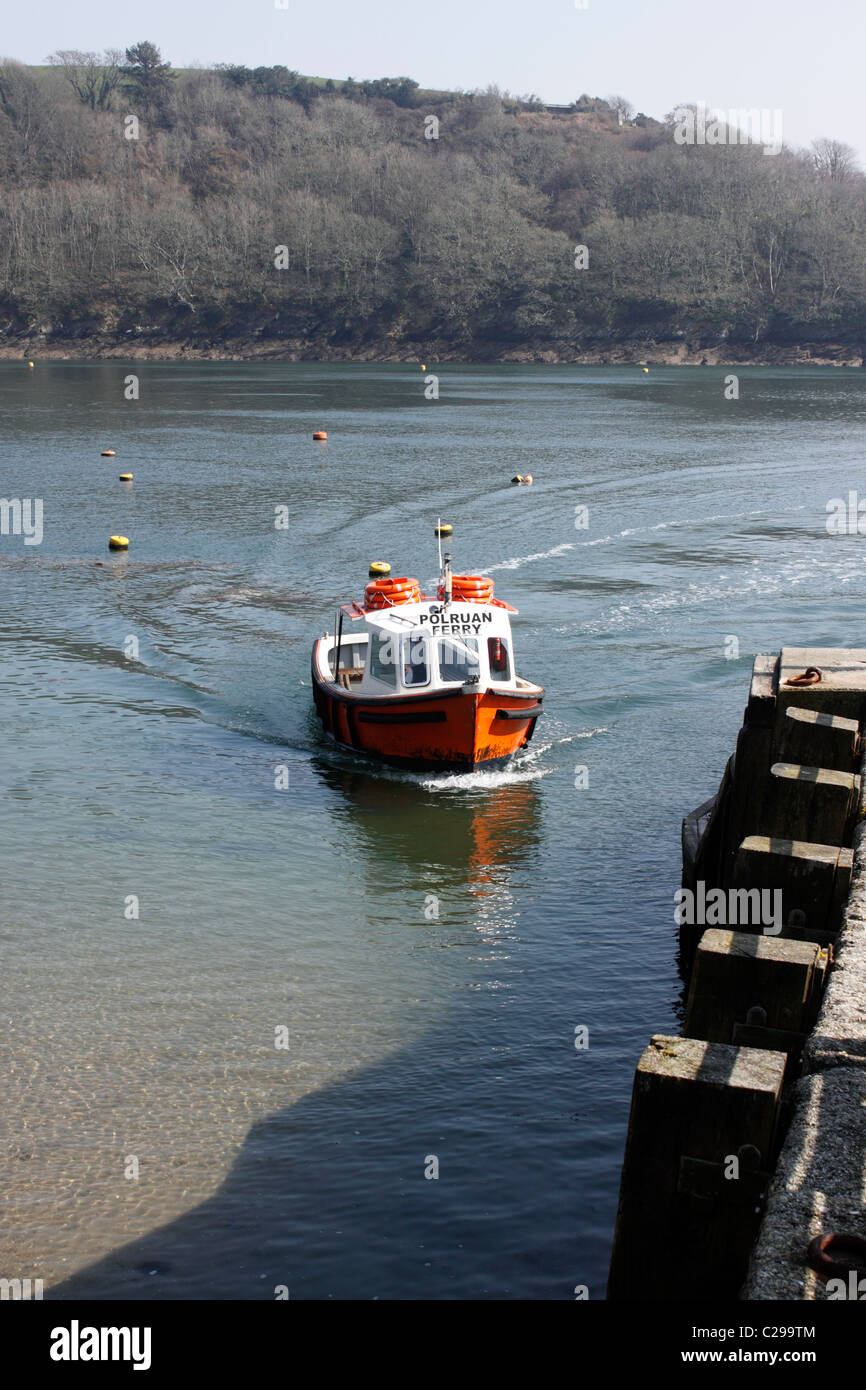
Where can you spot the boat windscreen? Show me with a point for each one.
(458, 659)
(383, 664)
(416, 660)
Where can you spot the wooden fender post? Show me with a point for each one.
(814, 737)
(684, 1229)
(816, 804)
(811, 878)
(737, 972)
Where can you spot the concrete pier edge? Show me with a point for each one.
(819, 1184)
(788, 825)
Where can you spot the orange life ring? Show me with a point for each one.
(470, 588)
(387, 593)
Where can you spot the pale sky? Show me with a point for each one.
(803, 58)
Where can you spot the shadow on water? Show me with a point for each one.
(328, 1196)
(331, 1203)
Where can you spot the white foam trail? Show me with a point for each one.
(518, 771)
(539, 749)
(688, 521)
(798, 570)
(519, 560)
(482, 781)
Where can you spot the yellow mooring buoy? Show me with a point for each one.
(108, 453)
(125, 477)
(443, 529)
(379, 568)
(118, 542)
(30, 364)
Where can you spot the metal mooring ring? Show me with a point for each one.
(823, 1248)
(811, 676)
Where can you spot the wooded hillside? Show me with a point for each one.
(394, 241)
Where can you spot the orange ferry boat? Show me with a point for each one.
(425, 682)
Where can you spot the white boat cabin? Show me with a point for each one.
(423, 646)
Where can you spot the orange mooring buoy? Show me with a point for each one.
(320, 434)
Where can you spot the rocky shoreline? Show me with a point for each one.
(253, 349)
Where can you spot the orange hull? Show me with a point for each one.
(450, 730)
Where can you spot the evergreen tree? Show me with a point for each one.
(148, 78)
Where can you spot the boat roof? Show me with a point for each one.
(461, 617)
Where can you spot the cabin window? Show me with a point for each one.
(382, 658)
(497, 655)
(458, 658)
(416, 661)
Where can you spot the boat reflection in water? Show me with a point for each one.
(441, 851)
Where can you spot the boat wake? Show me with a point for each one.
(524, 767)
(481, 780)
(537, 750)
(684, 521)
(518, 560)
(521, 769)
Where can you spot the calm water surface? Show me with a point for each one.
(148, 1043)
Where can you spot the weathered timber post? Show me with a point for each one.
(737, 972)
(751, 760)
(811, 878)
(815, 804)
(813, 736)
(689, 1200)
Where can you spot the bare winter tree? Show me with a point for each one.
(472, 241)
(92, 76)
(833, 159)
(622, 108)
